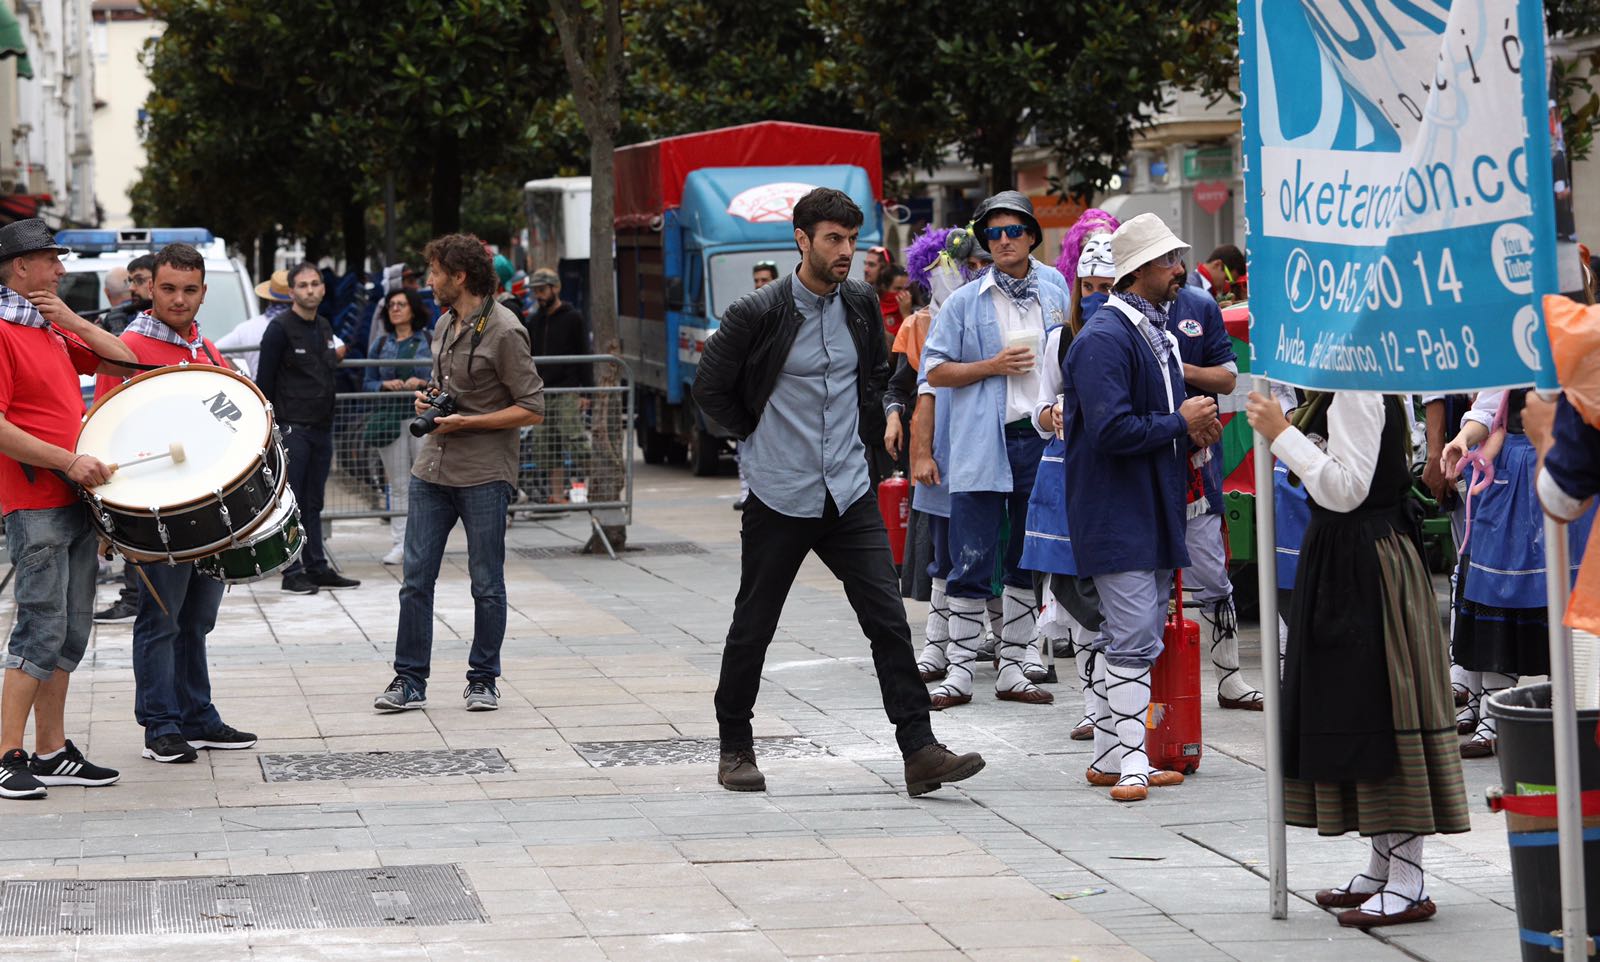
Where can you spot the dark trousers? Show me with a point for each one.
(431, 514)
(310, 451)
(855, 548)
(171, 683)
(976, 518)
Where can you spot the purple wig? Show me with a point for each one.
(923, 252)
(1092, 221)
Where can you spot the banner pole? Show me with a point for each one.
(1563, 716)
(1271, 670)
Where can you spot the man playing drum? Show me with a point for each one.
(43, 349)
(172, 685)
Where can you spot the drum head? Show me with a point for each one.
(218, 416)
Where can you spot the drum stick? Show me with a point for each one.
(152, 589)
(174, 451)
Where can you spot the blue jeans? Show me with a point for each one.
(976, 518)
(310, 453)
(939, 534)
(53, 551)
(171, 684)
(430, 517)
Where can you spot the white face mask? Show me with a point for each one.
(1095, 261)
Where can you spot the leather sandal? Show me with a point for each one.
(1416, 911)
(1028, 696)
(1466, 726)
(1100, 779)
(1130, 793)
(1245, 704)
(932, 674)
(1462, 697)
(1165, 779)
(1480, 748)
(1082, 733)
(941, 701)
(1346, 898)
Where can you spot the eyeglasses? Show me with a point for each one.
(1169, 259)
(1012, 231)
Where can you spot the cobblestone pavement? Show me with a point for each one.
(579, 847)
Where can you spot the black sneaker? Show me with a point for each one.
(69, 767)
(299, 583)
(225, 737)
(401, 695)
(328, 578)
(119, 611)
(170, 748)
(17, 779)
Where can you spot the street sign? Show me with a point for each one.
(1398, 193)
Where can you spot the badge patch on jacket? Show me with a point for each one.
(1191, 327)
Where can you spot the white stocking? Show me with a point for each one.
(992, 624)
(1225, 651)
(1493, 681)
(1377, 871)
(1107, 757)
(936, 631)
(1084, 656)
(966, 629)
(1018, 633)
(1128, 694)
(1472, 681)
(1404, 887)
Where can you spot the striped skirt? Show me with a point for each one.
(1425, 793)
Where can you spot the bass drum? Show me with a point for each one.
(271, 546)
(232, 474)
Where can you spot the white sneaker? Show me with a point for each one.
(396, 555)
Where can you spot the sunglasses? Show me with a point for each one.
(765, 265)
(1169, 259)
(1012, 231)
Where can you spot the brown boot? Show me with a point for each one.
(933, 765)
(737, 771)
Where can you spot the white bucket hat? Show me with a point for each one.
(1141, 240)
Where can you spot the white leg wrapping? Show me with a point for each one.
(1225, 652)
(1084, 656)
(1128, 694)
(1018, 633)
(1473, 682)
(967, 616)
(991, 627)
(1283, 644)
(1493, 681)
(1107, 754)
(1405, 886)
(1377, 872)
(936, 631)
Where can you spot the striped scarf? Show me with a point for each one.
(1156, 331)
(146, 324)
(1018, 289)
(19, 310)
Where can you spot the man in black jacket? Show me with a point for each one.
(558, 329)
(797, 371)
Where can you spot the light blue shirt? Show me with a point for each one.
(967, 330)
(809, 431)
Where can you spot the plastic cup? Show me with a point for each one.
(1027, 339)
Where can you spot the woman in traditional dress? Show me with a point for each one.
(1368, 717)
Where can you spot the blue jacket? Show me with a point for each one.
(1204, 342)
(1574, 459)
(968, 331)
(1127, 449)
(935, 499)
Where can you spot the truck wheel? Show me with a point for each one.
(655, 446)
(703, 455)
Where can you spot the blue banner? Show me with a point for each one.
(1399, 193)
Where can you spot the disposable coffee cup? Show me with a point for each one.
(1027, 339)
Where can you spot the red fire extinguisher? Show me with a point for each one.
(894, 503)
(1172, 729)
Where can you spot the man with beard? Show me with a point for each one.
(299, 361)
(558, 329)
(467, 470)
(798, 370)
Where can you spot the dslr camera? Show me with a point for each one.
(439, 405)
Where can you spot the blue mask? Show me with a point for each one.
(1092, 303)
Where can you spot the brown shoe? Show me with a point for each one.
(1082, 733)
(1129, 793)
(1100, 779)
(1462, 697)
(737, 771)
(1031, 695)
(941, 701)
(1165, 779)
(1244, 704)
(931, 766)
(1466, 726)
(932, 674)
(1479, 748)
(1415, 912)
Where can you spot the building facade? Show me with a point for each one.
(122, 30)
(47, 160)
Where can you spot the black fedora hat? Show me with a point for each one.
(26, 236)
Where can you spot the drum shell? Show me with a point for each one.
(264, 553)
(200, 528)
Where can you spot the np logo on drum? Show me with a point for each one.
(224, 410)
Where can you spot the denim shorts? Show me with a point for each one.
(53, 550)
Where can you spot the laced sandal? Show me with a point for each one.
(1416, 910)
(1131, 788)
(1345, 896)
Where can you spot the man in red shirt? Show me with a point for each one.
(44, 347)
(171, 683)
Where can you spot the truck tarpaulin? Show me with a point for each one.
(650, 176)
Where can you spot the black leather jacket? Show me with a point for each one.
(743, 359)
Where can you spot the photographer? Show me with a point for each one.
(484, 386)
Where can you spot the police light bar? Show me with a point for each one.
(196, 236)
(88, 241)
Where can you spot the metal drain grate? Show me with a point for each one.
(634, 547)
(333, 766)
(345, 898)
(686, 751)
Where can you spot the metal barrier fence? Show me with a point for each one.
(580, 459)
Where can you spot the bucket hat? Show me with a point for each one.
(1011, 202)
(1141, 240)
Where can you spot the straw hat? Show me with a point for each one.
(1141, 240)
(276, 289)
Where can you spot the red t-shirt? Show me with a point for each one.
(149, 350)
(39, 393)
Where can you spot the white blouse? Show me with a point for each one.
(1339, 477)
(1049, 379)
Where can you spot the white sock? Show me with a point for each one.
(45, 758)
(1405, 884)
(936, 631)
(1107, 757)
(1377, 871)
(1128, 695)
(1473, 682)
(1493, 681)
(1017, 634)
(1224, 623)
(966, 630)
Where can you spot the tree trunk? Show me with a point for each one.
(266, 253)
(611, 449)
(446, 184)
(354, 227)
(1002, 176)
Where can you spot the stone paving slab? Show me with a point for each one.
(575, 861)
